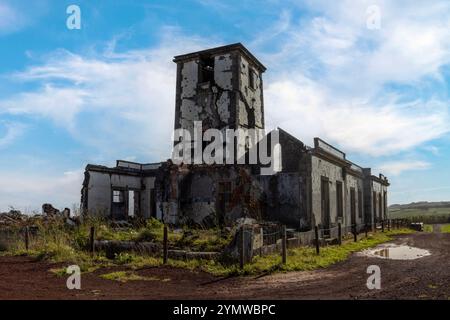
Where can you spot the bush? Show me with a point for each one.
(3, 246)
(123, 258)
(146, 235)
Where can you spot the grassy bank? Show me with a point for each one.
(61, 245)
(299, 259)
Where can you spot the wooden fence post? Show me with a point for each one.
(283, 245)
(27, 238)
(165, 245)
(382, 225)
(389, 224)
(316, 232)
(339, 233)
(366, 229)
(92, 240)
(355, 236)
(242, 248)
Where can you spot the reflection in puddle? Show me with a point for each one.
(396, 252)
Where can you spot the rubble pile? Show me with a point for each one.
(14, 218)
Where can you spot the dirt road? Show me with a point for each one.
(424, 278)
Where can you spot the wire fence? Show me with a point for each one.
(275, 239)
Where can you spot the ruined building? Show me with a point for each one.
(223, 88)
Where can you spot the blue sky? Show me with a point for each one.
(106, 92)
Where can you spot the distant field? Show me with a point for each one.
(427, 215)
(406, 213)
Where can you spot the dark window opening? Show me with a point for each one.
(380, 206)
(374, 204)
(206, 68)
(251, 78)
(224, 194)
(340, 208)
(352, 206)
(360, 204)
(325, 199)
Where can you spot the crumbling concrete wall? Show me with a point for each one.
(380, 190)
(322, 168)
(98, 186)
(284, 200)
(207, 195)
(251, 111)
(209, 101)
(356, 183)
(375, 186)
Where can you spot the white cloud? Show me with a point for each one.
(397, 167)
(110, 99)
(12, 131)
(337, 74)
(28, 191)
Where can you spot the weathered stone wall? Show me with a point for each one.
(211, 102)
(250, 99)
(98, 191)
(191, 195)
(352, 181)
(319, 168)
(283, 199)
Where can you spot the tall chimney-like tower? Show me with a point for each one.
(222, 87)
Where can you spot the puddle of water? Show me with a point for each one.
(396, 252)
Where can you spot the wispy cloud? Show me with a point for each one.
(334, 78)
(397, 167)
(27, 192)
(11, 131)
(110, 99)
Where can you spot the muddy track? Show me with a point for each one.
(424, 278)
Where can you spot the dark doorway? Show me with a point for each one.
(380, 206)
(325, 200)
(118, 205)
(339, 199)
(224, 196)
(153, 203)
(374, 204)
(353, 206)
(360, 204)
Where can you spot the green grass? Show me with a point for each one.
(56, 243)
(299, 259)
(445, 228)
(428, 228)
(305, 258)
(125, 276)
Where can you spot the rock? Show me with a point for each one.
(49, 210)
